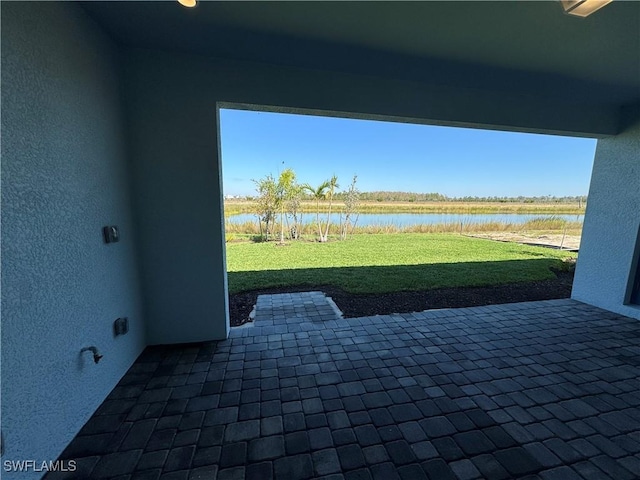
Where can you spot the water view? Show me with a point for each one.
(403, 220)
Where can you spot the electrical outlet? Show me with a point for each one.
(121, 326)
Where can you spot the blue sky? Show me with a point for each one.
(401, 157)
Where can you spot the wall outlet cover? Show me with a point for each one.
(121, 326)
(111, 234)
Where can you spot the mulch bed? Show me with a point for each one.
(354, 305)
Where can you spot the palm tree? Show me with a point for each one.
(319, 193)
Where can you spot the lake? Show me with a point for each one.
(402, 220)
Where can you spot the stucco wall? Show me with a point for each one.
(177, 195)
(612, 222)
(64, 176)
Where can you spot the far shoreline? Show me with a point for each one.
(236, 206)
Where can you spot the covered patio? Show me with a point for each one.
(543, 390)
(110, 118)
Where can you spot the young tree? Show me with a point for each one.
(266, 203)
(351, 204)
(293, 209)
(285, 189)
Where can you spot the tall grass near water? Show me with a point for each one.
(237, 206)
(309, 230)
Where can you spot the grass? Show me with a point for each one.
(236, 206)
(381, 263)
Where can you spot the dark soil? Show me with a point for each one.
(355, 305)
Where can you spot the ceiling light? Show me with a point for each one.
(187, 3)
(582, 8)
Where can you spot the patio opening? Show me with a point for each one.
(387, 217)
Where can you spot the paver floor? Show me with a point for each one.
(541, 390)
(295, 307)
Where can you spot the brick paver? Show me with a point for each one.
(538, 390)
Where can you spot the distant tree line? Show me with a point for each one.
(390, 196)
(384, 196)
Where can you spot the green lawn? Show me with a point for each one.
(388, 263)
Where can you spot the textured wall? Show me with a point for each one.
(64, 176)
(612, 223)
(174, 143)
